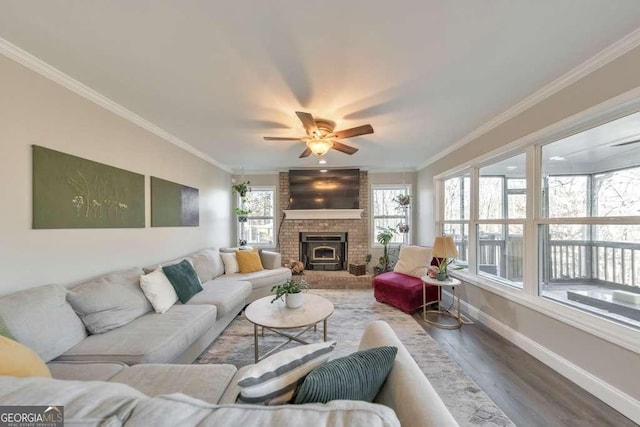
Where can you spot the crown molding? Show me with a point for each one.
(22, 57)
(614, 51)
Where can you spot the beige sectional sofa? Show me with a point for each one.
(168, 395)
(56, 322)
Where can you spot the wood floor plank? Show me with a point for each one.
(528, 391)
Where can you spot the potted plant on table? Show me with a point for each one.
(291, 290)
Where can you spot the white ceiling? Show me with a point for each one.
(220, 75)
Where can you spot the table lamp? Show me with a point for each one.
(445, 251)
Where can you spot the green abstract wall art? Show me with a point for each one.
(72, 192)
(174, 205)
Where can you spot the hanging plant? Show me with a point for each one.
(242, 189)
(403, 200)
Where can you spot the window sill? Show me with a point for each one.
(623, 336)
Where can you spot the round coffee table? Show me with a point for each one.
(277, 317)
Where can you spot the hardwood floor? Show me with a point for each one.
(529, 392)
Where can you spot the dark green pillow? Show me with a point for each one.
(4, 330)
(358, 376)
(184, 280)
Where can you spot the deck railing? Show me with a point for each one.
(615, 263)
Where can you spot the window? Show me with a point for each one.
(387, 212)
(559, 221)
(589, 231)
(258, 228)
(502, 210)
(456, 215)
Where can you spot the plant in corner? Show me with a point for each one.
(292, 291)
(383, 237)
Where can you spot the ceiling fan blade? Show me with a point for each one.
(347, 149)
(356, 131)
(307, 121)
(626, 143)
(276, 138)
(305, 153)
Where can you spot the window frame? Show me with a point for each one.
(613, 109)
(240, 225)
(407, 217)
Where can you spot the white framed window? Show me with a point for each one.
(258, 229)
(500, 224)
(456, 214)
(557, 218)
(387, 213)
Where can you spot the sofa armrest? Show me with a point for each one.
(407, 391)
(271, 260)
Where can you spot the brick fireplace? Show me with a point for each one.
(356, 229)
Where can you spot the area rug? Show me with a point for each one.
(469, 405)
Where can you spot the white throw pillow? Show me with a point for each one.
(158, 290)
(414, 260)
(273, 381)
(230, 262)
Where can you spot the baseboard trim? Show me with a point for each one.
(612, 396)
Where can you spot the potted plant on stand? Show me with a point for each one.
(383, 237)
(291, 290)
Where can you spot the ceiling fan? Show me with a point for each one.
(626, 143)
(321, 135)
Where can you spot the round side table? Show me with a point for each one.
(426, 280)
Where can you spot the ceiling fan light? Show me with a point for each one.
(319, 147)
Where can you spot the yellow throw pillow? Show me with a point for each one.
(249, 261)
(16, 360)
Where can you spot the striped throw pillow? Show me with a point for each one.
(273, 380)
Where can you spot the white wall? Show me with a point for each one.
(35, 110)
(605, 361)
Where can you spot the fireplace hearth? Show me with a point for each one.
(326, 251)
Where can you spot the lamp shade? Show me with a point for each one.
(444, 247)
(319, 146)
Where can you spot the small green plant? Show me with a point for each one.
(367, 260)
(289, 287)
(383, 237)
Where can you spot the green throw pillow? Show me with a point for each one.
(4, 330)
(358, 376)
(184, 280)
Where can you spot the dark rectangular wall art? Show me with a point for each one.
(174, 205)
(72, 192)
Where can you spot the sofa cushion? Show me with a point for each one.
(158, 290)
(413, 260)
(273, 380)
(110, 301)
(259, 279)
(230, 262)
(41, 319)
(224, 295)
(184, 279)
(85, 371)
(205, 382)
(152, 338)
(182, 410)
(18, 360)
(208, 264)
(249, 261)
(86, 403)
(357, 376)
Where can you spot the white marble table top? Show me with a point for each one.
(263, 313)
